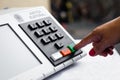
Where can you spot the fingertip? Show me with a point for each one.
(77, 46)
(88, 39)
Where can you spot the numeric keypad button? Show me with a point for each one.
(45, 41)
(47, 22)
(59, 35)
(46, 31)
(53, 29)
(38, 34)
(32, 27)
(59, 45)
(40, 24)
(52, 38)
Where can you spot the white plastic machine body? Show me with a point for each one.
(20, 57)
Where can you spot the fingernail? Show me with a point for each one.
(92, 52)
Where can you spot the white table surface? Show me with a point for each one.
(91, 68)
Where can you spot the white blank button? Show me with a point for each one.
(56, 56)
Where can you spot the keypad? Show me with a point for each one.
(50, 38)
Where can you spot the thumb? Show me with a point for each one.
(92, 37)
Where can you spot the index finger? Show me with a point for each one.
(88, 39)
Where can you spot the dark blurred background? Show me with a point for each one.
(79, 17)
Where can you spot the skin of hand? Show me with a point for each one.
(103, 38)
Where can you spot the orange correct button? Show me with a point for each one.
(65, 52)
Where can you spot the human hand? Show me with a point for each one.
(103, 38)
